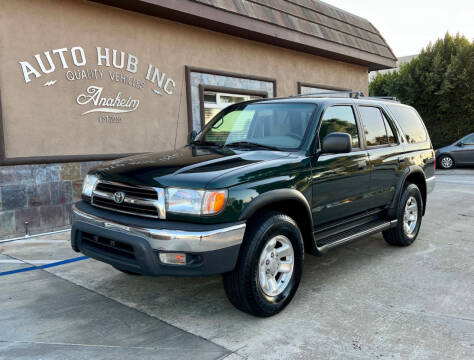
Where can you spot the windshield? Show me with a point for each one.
(276, 125)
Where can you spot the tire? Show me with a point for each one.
(446, 162)
(248, 287)
(405, 233)
(126, 271)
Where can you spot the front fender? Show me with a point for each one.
(274, 196)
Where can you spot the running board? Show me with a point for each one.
(326, 242)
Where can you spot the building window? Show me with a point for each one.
(305, 88)
(209, 91)
(216, 101)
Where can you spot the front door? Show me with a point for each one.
(340, 182)
(464, 154)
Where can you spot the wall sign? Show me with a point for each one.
(103, 67)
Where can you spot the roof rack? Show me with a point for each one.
(352, 94)
(389, 98)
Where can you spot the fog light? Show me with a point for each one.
(173, 258)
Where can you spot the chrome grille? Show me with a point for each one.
(142, 193)
(135, 200)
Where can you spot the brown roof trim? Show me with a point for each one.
(369, 29)
(310, 35)
(381, 41)
(216, 19)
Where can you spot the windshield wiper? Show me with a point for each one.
(251, 144)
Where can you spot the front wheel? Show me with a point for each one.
(446, 162)
(269, 267)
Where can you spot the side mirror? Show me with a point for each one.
(192, 135)
(336, 143)
(460, 144)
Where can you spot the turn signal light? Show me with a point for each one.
(214, 201)
(173, 258)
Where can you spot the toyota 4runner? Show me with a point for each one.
(264, 182)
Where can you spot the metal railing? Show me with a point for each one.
(349, 94)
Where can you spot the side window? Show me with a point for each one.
(339, 118)
(390, 135)
(410, 123)
(375, 128)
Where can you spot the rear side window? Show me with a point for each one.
(410, 123)
(339, 118)
(377, 129)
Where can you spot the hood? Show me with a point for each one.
(190, 166)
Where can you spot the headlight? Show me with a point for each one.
(195, 202)
(89, 184)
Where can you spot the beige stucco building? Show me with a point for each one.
(84, 81)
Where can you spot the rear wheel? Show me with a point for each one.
(269, 267)
(446, 162)
(409, 214)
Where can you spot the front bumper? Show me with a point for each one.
(126, 242)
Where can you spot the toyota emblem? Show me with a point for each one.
(119, 197)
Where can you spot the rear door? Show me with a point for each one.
(384, 151)
(339, 181)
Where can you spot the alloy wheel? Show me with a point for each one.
(275, 266)
(446, 162)
(410, 217)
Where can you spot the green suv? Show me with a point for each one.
(264, 182)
